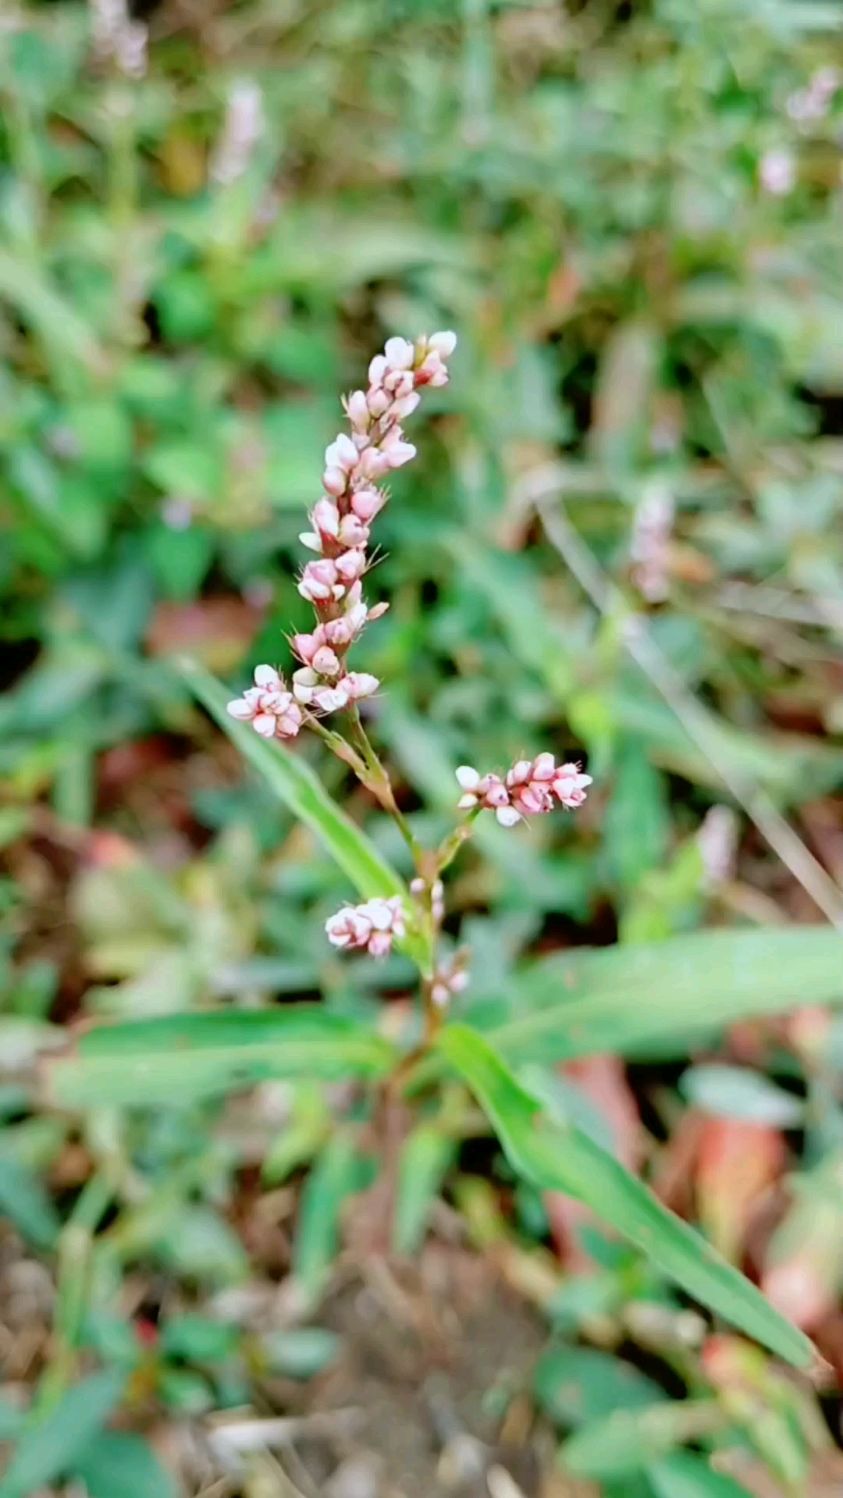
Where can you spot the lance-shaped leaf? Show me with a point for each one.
(666, 995)
(179, 1058)
(560, 1157)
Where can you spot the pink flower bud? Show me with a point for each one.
(377, 369)
(507, 816)
(377, 612)
(442, 344)
(318, 581)
(305, 683)
(334, 480)
(359, 684)
(396, 451)
(339, 632)
(366, 504)
(305, 647)
(357, 409)
(341, 453)
(378, 402)
(330, 699)
(311, 540)
(351, 565)
(325, 661)
(352, 531)
(325, 517)
(399, 353)
(373, 463)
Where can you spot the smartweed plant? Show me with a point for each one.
(325, 694)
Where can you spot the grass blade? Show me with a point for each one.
(560, 1157)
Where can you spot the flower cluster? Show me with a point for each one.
(341, 521)
(530, 789)
(269, 706)
(371, 927)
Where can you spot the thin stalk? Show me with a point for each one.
(377, 778)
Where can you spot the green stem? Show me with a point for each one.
(377, 778)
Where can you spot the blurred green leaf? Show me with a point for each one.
(577, 1385)
(624, 999)
(684, 1475)
(629, 1440)
(25, 1202)
(55, 1439)
(737, 1092)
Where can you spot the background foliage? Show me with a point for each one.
(631, 216)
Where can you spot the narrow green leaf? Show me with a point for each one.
(561, 1158)
(292, 780)
(685, 1475)
(624, 999)
(175, 1059)
(50, 1445)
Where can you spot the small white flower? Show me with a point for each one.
(443, 343)
(399, 353)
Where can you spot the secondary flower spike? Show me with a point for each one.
(340, 527)
(530, 788)
(371, 927)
